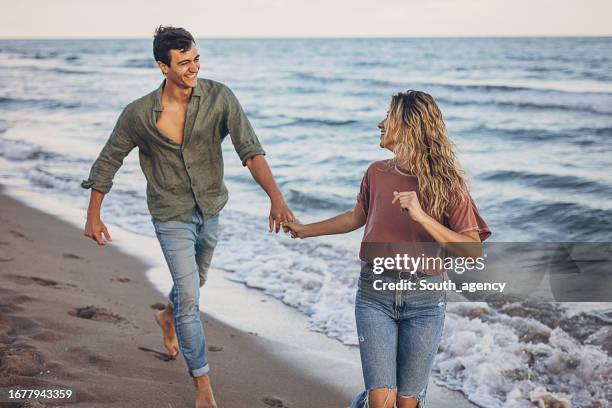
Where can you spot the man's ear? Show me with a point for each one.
(164, 68)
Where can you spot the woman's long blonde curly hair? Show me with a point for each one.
(423, 148)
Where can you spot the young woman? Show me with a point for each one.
(419, 196)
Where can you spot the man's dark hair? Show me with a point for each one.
(170, 38)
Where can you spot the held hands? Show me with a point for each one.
(95, 229)
(280, 215)
(296, 228)
(409, 201)
(346, 222)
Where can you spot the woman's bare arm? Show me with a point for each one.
(340, 224)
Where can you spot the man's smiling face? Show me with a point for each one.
(184, 67)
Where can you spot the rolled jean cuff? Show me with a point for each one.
(200, 371)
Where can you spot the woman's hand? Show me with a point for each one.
(297, 229)
(456, 243)
(409, 201)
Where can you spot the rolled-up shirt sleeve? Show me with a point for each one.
(243, 136)
(466, 217)
(110, 159)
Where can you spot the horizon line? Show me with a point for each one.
(348, 37)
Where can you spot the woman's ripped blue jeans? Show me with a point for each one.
(399, 333)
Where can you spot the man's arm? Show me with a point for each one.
(279, 211)
(252, 155)
(94, 227)
(100, 180)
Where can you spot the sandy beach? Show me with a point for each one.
(74, 316)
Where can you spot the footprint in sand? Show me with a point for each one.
(72, 256)
(87, 357)
(18, 234)
(21, 359)
(3, 257)
(48, 336)
(215, 348)
(26, 280)
(43, 281)
(96, 313)
(10, 301)
(121, 280)
(274, 402)
(157, 306)
(21, 326)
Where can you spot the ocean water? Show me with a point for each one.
(532, 119)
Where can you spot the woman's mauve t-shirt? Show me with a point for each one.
(387, 223)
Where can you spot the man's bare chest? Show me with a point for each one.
(171, 123)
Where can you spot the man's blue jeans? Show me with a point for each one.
(188, 248)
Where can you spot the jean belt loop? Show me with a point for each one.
(407, 275)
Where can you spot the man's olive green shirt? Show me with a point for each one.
(179, 177)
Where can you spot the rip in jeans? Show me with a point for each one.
(420, 398)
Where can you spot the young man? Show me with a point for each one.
(179, 129)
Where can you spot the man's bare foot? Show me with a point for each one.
(165, 321)
(204, 397)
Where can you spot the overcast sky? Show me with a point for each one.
(305, 18)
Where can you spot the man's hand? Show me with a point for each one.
(95, 229)
(280, 213)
